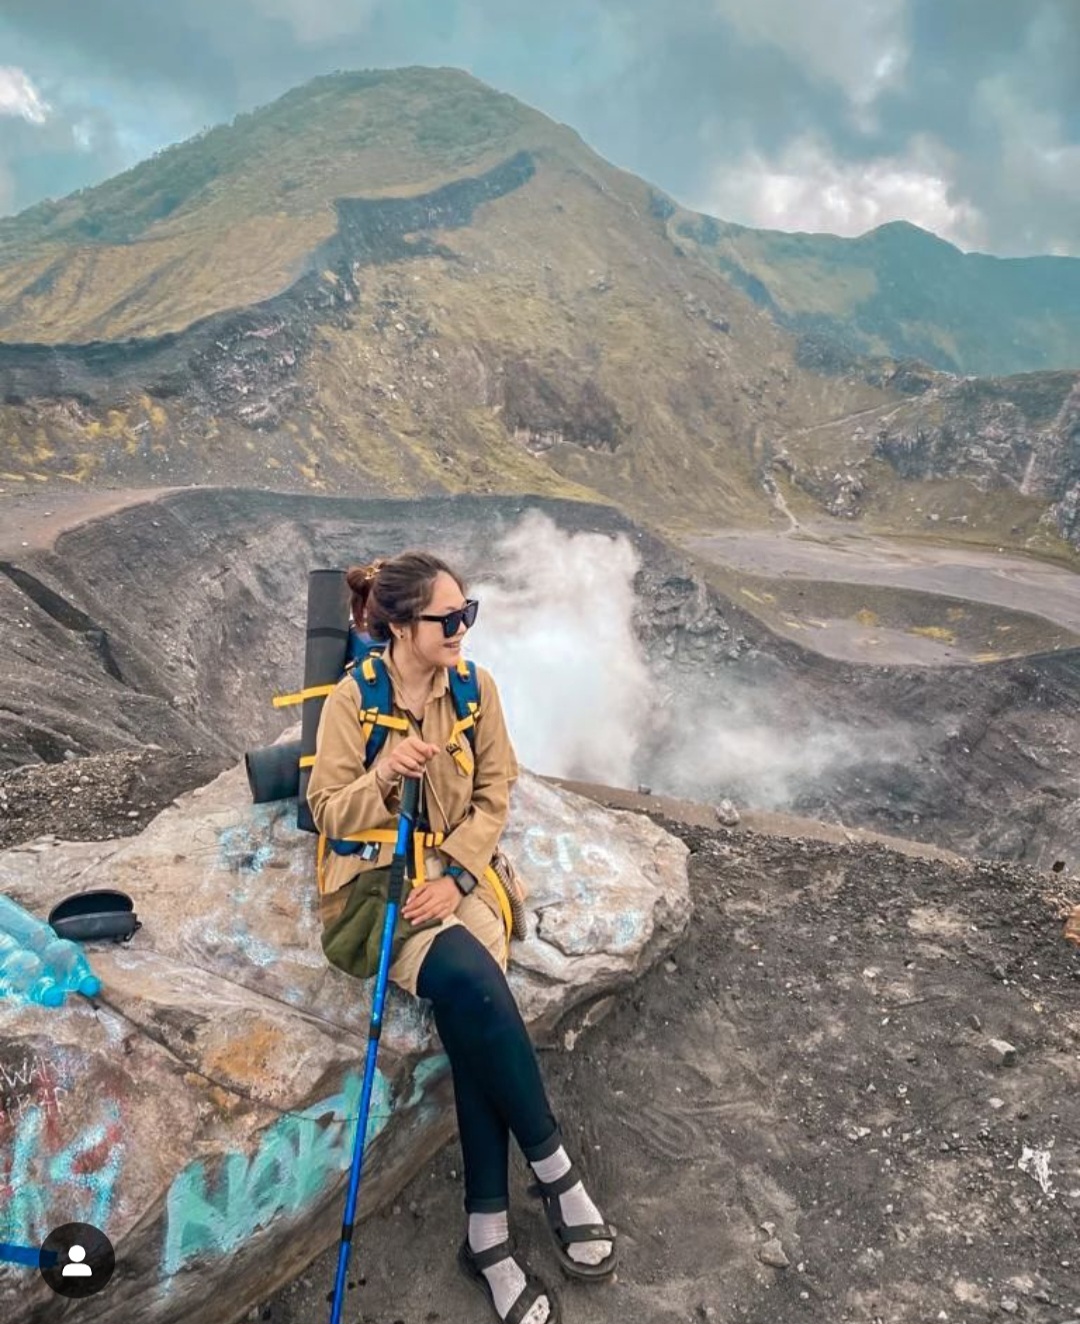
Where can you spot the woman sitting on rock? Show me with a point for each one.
(454, 944)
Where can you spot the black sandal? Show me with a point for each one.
(472, 1263)
(566, 1235)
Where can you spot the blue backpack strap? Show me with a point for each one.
(357, 646)
(465, 692)
(376, 701)
(376, 697)
(375, 716)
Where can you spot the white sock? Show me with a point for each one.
(576, 1208)
(506, 1280)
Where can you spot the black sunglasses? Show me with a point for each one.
(452, 621)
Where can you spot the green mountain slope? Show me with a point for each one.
(903, 293)
(392, 283)
(403, 283)
(231, 216)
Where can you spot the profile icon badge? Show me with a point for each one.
(76, 1260)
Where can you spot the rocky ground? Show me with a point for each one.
(110, 795)
(807, 1114)
(853, 1093)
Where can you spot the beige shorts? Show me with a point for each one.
(478, 918)
(479, 912)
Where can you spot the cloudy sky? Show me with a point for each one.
(960, 115)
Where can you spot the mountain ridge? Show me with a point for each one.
(502, 310)
(401, 132)
(901, 291)
(534, 334)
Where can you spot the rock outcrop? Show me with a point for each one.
(200, 1112)
(1018, 432)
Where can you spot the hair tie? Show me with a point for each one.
(372, 570)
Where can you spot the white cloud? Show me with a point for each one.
(860, 47)
(583, 700)
(19, 96)
(808, 188)
(721, 739)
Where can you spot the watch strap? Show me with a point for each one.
(462, 877)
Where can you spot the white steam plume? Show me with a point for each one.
(557, 632)
(583, 700)
(716, 745)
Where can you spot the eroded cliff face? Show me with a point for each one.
(997, 455)
(1021, 433)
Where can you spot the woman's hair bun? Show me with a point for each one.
(363, 576)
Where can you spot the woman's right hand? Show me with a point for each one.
(408, 758)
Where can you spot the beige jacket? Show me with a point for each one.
(471, 809)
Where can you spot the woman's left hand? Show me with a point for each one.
(434, 900)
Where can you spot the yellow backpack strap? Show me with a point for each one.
(320, 860)
(460, 750)
(422, 843)
(503, 900)
(312, 692)
(373, 716)
(370, 718)
(380, 835)
(463, 685)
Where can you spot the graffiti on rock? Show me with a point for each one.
(566, 852)
(28, 1082)
(52, 1171)
(213, 1213)
(244, 848)
(261, 840)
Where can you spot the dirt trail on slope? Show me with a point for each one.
(772, 823)
(35, 519)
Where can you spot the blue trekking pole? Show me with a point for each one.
(409, 795)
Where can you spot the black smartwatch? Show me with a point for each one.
(462, 877)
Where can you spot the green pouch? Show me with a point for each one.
(353, 940)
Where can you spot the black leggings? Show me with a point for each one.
(497, 1083)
